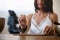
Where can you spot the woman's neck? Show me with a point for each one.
(40, 12)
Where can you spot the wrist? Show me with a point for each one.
(23, 29)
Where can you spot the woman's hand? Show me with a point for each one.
(22, 21)
(48, 30)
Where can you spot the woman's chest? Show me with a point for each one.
(39, 18)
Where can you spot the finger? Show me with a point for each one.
(22, 21)
(21, 18)
(48, 32)
(46, 29)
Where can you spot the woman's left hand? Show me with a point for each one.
(48, 30)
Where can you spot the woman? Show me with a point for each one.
(42, 21)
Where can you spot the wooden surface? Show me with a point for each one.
(39, 38)
(27, 37)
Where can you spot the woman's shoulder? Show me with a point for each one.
(54, 14)
(54, 17)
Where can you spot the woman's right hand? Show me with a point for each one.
(22, 21)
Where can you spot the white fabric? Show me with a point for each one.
(39, 29)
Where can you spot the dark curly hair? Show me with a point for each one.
(48, 6)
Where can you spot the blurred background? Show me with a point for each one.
(22, 7)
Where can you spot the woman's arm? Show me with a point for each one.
(54, 19)
(28, 21)
(24, 22)
(53, 29)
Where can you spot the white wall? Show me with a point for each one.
(22, 6)
(19, 6)
(56, 7)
